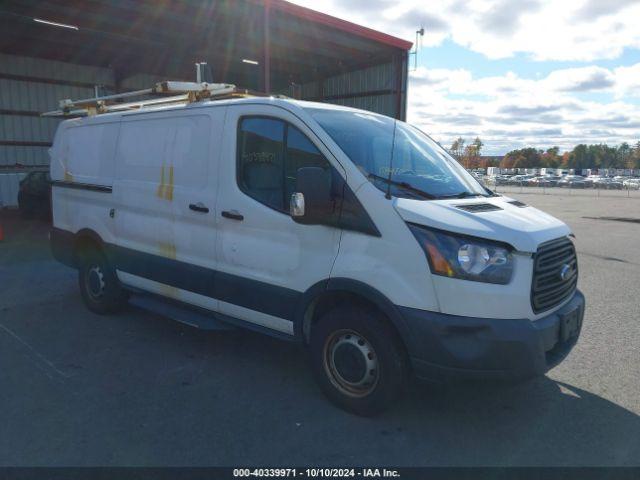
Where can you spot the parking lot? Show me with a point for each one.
(138, 389)
(588, 193)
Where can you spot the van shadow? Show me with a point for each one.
(540, 422)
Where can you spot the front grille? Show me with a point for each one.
(549, 288)
(479, 207)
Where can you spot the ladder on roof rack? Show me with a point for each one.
(182, 92)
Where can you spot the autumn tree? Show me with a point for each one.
(551, 158)
(522, 158)
(477, 143)
(457, 148)
(582, 156)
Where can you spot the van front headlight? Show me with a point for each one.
(464, 257)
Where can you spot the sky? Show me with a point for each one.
(516, 73)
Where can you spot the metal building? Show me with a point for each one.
(54, 49)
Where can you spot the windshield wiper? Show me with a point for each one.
(463, 195)
(404, 185)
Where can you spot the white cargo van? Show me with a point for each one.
(350, 232)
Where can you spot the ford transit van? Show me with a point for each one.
(350, 232)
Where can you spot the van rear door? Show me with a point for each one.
(265, 259)
(165, 191)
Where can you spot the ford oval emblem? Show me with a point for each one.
(565, 271)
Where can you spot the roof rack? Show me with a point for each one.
(180, 92)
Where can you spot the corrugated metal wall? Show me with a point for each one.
(368, 89)
(29, 86)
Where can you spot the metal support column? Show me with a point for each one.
(266, 61)
(400, 74)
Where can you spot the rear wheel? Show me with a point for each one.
(99, 285)
(358, 360)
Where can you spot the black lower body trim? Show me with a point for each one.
(252, 294)
(445, 347)
(82, 186)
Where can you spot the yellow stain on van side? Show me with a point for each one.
(169, 191)
(67, 176)
(160, 191)
(168, 250)
(165, 188)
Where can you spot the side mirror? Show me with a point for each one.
(311, 203)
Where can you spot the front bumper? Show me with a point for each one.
(448, 346)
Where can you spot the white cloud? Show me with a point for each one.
(581, 79)
(583, 30)
(509, 111)
(628, 80)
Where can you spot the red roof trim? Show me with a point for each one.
(354, 28)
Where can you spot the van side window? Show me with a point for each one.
(270, 152)
(261, 160)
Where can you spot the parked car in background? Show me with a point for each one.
(544, 181)
(609, 184)
(573, 181)
(537, 181)
(632, 184)
(594, 179)
(34, 195)
(520, 179)
(498, 180)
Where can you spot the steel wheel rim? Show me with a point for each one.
(94, 283)
(351, 363)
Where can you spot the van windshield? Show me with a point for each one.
(397, 156)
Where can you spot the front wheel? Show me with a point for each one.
(99, 285)
(358, 360)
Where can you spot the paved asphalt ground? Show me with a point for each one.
(138, 389)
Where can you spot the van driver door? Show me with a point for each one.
(265, 259)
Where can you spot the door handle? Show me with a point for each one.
(233, 215)
(199, 207)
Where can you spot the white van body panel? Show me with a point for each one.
(394, 264)
(487, 300)
(522, 228)
(82, 153)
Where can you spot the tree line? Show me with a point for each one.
(582, 156)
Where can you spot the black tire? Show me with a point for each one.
(344, 342)
(99, 286)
